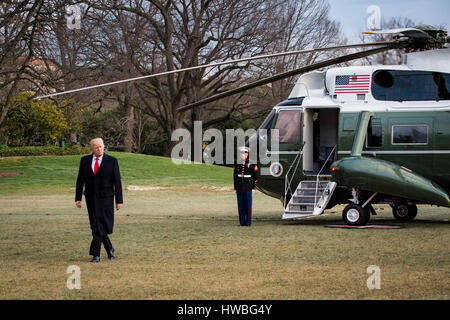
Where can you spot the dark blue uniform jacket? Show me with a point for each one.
(245, 176)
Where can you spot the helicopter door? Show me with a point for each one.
(320, 137)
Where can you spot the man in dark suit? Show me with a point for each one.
(99, 174)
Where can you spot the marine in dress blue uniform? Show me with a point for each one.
(245, 179)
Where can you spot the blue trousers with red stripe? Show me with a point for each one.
(244, 200)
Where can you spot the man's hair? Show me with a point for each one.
(96, 141)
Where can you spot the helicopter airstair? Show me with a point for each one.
(311, 196)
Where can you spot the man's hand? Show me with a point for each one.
(118, 206)
(78, 204)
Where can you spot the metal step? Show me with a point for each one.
(310, 198)
(308, 191)
(322, 177)
(296, 215)
(312, 184)
(300, 207)
(305, 199)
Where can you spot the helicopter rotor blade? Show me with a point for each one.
(280, 76)
(408, 32)
(215, 64)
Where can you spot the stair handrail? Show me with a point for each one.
(287, 182)
(318, 175)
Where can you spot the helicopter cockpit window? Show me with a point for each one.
(267, 123)
(401, 85)
(288, 125)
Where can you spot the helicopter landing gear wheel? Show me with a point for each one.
(355, 215)
(404, 212)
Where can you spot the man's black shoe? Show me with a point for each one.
(111, 254)
(95, 259)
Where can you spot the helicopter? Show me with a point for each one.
(358, 135)
(364, 135)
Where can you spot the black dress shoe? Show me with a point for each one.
(111, 254)
(95, 259)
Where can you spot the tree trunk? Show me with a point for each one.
(128, 140)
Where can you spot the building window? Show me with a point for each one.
(410, 134)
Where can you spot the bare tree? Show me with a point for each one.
(186, 33)
(40, 53)
(300, 25)
(117, 49)
(19, 22)
(120, 39)
(68, 51)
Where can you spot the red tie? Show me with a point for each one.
(96, 166)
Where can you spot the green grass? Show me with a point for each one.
(184, 242)
(50, 174)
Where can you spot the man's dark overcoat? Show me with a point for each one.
(99, 191)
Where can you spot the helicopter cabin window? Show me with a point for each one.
(401, 85)
(374, 134)
(288, 125)
(410, 134)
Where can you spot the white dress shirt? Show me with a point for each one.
(99, 161)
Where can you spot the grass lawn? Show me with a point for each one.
(183, 241)
(56, 174)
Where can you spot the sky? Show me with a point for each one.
(353, 17)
